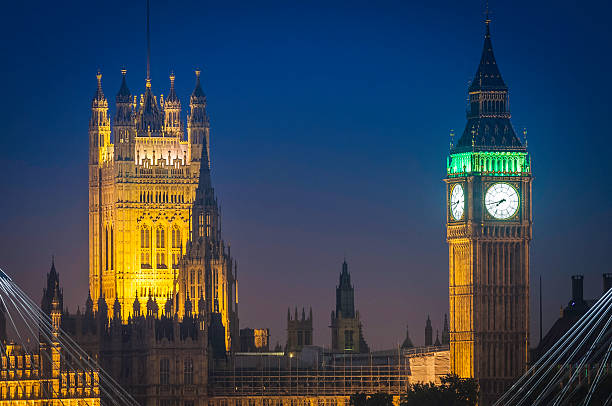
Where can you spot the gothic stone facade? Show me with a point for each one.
(143, 190)
(141, 187)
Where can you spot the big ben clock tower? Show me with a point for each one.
(488, 195)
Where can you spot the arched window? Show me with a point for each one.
(145, 247)
(176, 246)
(106, 248)
(176, 237)
(160, 247)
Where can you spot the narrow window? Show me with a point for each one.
(188, 371)
(160, 247)
(145, 247)
(112, 250)
(106, 248)
(164, 371)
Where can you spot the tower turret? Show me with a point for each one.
(428, 332)
(346, 328)
(345, 294)
(136, 306)
(205, 212)
(172, 111)
(51, 290)
(125, 131)
(197, 123)
(99, 126)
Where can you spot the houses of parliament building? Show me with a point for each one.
(161, 315)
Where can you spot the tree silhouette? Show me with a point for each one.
(452, 391)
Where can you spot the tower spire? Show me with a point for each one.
(148, 48)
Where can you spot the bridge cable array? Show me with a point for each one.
(74, 361)
(562, 375)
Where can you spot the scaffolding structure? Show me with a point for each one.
(330, 375)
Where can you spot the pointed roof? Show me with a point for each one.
(172, 97)
(488, 76)
(198, 92)
(124, 95)
(407, 341)
(345, 276)
(99, 95)
(116, 307)
(488, 126)
(53, 273)
(204, 182)
(149, 116)
(136, 305)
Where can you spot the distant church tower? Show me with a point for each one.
(489, 224)
(428, 333)
(299, 331)
(347, 334)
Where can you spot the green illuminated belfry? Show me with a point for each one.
(489, 143)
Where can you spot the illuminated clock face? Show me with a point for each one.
(457, 202)
(502, 201)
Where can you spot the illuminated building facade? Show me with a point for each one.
(141, 187)
(489, 228)
(145, 203)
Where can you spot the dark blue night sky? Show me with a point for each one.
(330, 126)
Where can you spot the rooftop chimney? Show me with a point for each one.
(607, 282)
(577, 288)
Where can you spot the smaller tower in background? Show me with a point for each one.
(445, 331)
(407, 341)
(299, 331)
(428, 332)
(347, 334)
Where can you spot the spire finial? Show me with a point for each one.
(99, 77)
(487, 16)
(123, 71)
(197, 73)
(148, 49)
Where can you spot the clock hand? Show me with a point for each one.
(500, 202)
